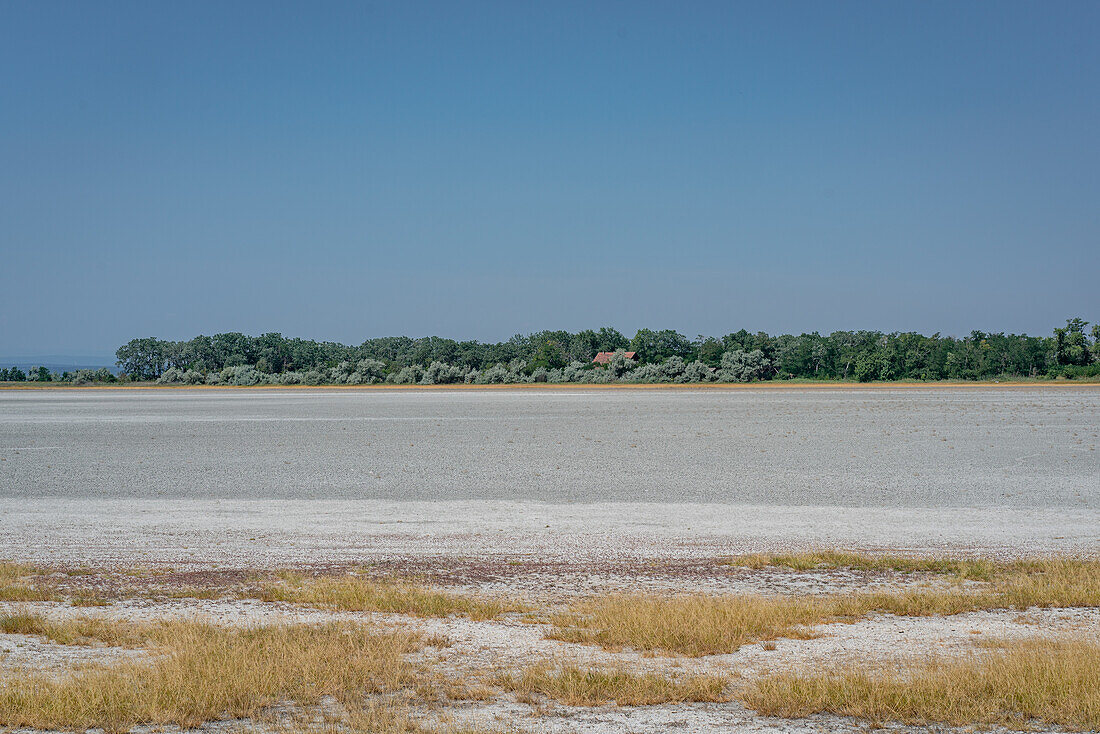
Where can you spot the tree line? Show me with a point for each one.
(560, 356)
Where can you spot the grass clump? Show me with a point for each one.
(10, 572)
(14, 587)
(705, 625)
(202, 672)
(1022, 685)
(574, 686)
(692, 625)
(82, 631)
(353, 593)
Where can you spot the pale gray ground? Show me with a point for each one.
(276, 476)
(587, 487)
(880, 448)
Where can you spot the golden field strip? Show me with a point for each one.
(337, 649)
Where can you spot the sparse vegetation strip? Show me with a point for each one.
(355, 593)
(1025, 685)
(576, 686)
(702, 624)
(199, 673)
(82, 631)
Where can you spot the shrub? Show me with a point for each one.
(243, 375)
(171, 376)
(495, 375)
(371, 370)
(286, 378)
(439, 373)
(696, 372)
(574, 372)
(741, 366)
(81, 377)
(407, 376)
(312, 377)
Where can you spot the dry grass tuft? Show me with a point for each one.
(706, 625)
(1020, 685)
(574, 686)
(14, 587)
(10, 572)
(201, 672)
(353, 593)
(76, 631)
(692, 625)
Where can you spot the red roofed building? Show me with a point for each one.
(605, 357)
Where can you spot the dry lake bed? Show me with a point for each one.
(230, 476)
(292, 507)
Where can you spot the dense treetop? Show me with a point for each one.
(562, 356)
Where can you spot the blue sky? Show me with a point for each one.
(343, 171)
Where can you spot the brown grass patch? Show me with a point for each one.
(353, 593)
(1021, 684)
(574, 686)
(199, 673)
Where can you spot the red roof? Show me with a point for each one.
(605, 357)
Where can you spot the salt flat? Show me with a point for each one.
(287, 475)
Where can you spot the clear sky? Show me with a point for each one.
(474, 170)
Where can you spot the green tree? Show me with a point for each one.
(142, 359)
(709, 350)
(1072, 346)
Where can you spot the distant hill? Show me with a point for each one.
(59, 362)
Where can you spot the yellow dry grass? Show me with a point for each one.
(198, 672)
(10, 572)
(14, 585)
(575, 686)
(1022, 685)
(353, 593)
(692, 625)
(701, 624)
(83, 631)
